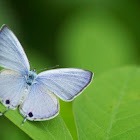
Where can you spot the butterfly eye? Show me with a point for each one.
(7, 101)
(30, 114)
(30, 77)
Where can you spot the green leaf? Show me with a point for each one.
(109, 108)
(51, 129)
(11, 131)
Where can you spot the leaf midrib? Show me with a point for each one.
(122, 94)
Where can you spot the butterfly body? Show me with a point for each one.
(31, 78)
(35, 94)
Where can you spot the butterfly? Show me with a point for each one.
(36, 95)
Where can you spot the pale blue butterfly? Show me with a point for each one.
(35, 94)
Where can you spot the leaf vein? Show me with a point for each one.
(122, 93)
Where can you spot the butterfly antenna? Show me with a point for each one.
(31, 65)
(49, 68)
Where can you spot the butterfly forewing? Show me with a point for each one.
(12, 55)
(65, 83)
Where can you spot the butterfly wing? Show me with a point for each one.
(40, 104)
(12, 55)
(65, 83)
(12, 89)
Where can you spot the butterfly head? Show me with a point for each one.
(31, 77)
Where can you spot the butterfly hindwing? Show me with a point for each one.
(66, 83)
(12, 55)
(12, 89)
(40, 104)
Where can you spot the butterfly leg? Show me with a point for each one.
(24, 121)
(2, 113)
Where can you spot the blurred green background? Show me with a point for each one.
(93, 35)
